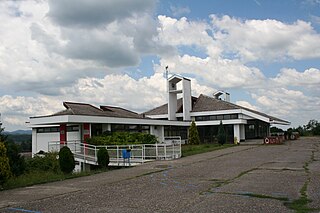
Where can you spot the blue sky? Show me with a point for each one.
(265, 53)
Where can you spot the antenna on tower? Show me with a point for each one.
(0, 121)
(167, 72)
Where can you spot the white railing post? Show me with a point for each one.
(165, 151)
(173, 155)
(118, 155)
(95, 154)
(143, 152)
(157, 153)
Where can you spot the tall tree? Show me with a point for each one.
(16, 161)
(194, 134)
(4, 164)
(221, 134)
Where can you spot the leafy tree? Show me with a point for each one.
(275, 129)
(16, 161)
(5, 172)
(193, 134)
(103, 157)
(3, 137)
(221, 134)
(66, 160)
(314, 127)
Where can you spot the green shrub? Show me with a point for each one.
(16, 161)
(66, 160)
(49, 162)
(221, 134)
(103, 157)
(122, 138)
(5, 172)
(193, 134)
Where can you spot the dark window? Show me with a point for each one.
(226, 117)
(74, 128)
(48, 129)
(234, 116)
(219, 117)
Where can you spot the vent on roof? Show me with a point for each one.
(225, 97)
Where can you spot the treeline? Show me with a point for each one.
(24, 141)
(312, 128)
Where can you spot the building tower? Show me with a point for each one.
(172, 99)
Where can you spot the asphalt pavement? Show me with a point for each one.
(245, 178)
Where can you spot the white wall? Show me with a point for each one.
(157, 131)
(42, 140)
(73, 136)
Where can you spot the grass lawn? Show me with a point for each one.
(188, 150)
(38, 177)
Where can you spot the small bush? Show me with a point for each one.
(66, 160)
(5, 172)
(194, 134)
(49, 162)
(221, 134)
(103, 157)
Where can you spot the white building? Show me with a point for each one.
(80, 121)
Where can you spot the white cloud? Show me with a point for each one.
(218, 73)
(247, 105)
(293, 105)
(50, 53)
(266, 40)
(291, 77)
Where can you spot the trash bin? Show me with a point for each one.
(126, 154)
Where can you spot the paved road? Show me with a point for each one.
(238, 179)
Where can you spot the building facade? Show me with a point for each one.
(80, 121)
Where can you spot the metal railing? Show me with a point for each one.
(139, 153)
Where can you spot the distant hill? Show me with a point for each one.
(18, 132)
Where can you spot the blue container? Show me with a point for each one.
(126, 154)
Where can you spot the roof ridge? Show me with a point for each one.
(65, 103)
(120, 108)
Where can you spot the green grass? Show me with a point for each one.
(188, 150)
(39, 177)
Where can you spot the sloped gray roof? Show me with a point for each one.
(87, 109)
(206, 103)
(163, 109)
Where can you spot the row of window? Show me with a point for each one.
(216, 117)
(74, 128)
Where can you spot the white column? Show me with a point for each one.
(186, 98)
(242, 132)
(34, 141)
(236, 131)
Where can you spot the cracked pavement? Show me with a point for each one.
(255, 178)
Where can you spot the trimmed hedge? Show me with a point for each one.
(66, 160)
(122, 138)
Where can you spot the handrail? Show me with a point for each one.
(140, 153)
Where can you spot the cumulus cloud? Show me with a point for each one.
(292, 77)
(289, 104)
(116, 90)
(50, 53)
(266, 40)
(93, 13)
(248, 105)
